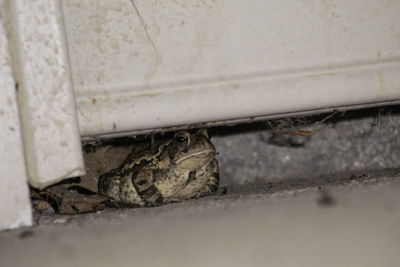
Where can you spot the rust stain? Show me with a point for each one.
(148, 95)
(316, 75)
(382, 83)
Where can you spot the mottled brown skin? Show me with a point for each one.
(175, 169)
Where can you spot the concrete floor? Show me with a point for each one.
(355, 223)
(354, 141)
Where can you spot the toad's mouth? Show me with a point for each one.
(202, 154)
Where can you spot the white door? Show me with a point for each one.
(147, 64)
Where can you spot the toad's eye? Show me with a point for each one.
(181, 139)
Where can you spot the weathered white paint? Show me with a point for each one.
(40, 62)
(15, 205)
(168, 63)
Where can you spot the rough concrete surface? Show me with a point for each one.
(353, 222)
(301, 192)
(354, 141)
